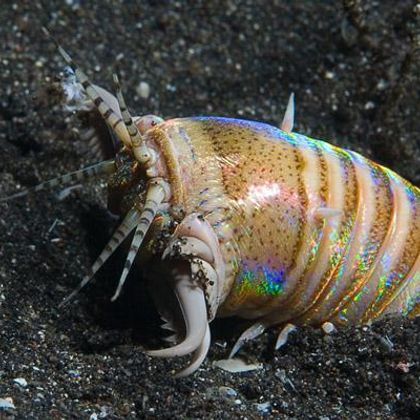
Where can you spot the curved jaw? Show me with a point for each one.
(192, 303)
(195, 268)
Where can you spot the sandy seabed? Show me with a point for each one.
(355, 75)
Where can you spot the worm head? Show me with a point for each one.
(145, 186)
(127, 185)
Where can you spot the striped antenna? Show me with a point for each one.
(111, 118)
(129, 223)
(140, 150)
(155, 196)
(106, 167)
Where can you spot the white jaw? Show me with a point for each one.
(194, 279)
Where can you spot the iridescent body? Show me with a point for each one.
(260, 189)
(233, 217)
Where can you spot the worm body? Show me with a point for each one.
(308, 232)
(234, 217)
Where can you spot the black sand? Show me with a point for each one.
(355, 75)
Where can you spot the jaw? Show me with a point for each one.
(180, 300)
(160, 287)
(186, 289)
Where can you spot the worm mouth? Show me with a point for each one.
(182, 305)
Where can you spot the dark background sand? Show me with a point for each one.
(355, 75)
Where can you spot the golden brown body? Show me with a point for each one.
(308, 232)
(241, 218)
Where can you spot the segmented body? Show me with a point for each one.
(241, 218)
(264, 192)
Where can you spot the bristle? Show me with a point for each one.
(154, 198)
(126, 227)
(102, 168)
(140, 149)
(327, 212)
(289, 115)
(112, 118)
